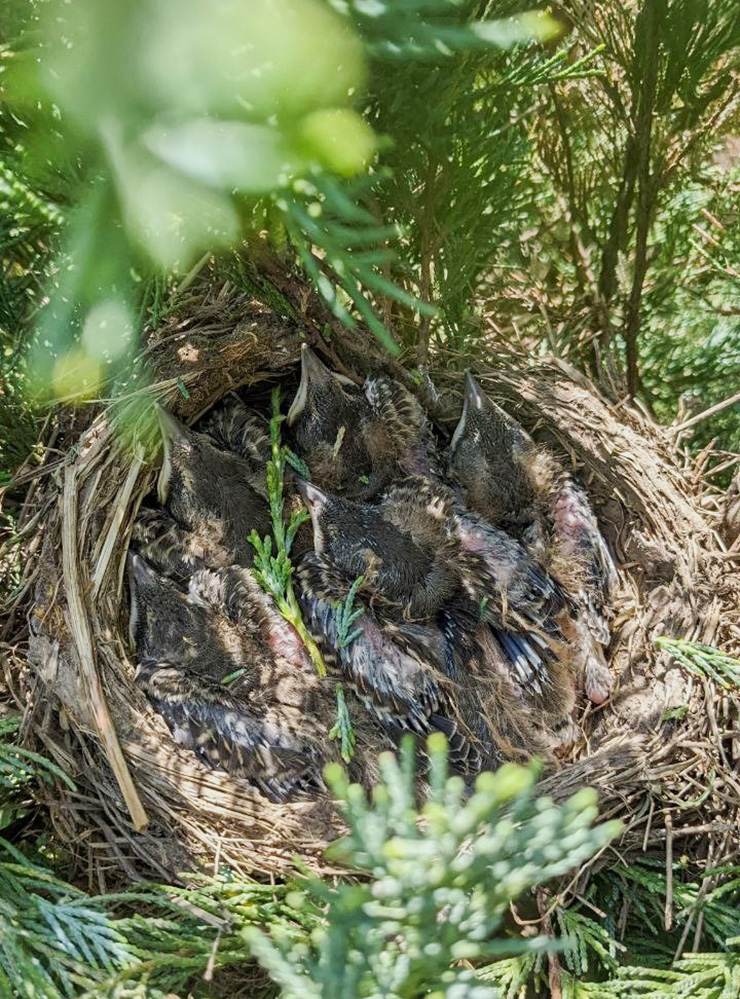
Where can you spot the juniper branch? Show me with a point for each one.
(274, 571)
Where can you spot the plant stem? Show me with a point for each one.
(275, 571)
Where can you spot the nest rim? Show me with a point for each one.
(642, 769)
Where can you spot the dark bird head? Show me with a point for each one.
(211, 491)
(488, 457)
(353, 536)
(191, 462)
(323, 398)
(161, 614)
(356, 539)
(356, 442)
(328, 416)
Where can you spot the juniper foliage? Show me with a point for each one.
(273, 568)
(613, 942)
(441, 881)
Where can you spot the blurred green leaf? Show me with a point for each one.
(262, 60)
(231, 155)
(536, 26)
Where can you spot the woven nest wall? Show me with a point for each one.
(660, 753)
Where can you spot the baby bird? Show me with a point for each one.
(184, 656)
(420, 555)
(523, 612)
(268, 725)
(328, 416)
(410, 551)
(414, 677)
(232, 592)
(416, 575)
(214, 494)
(489, 457)
(523, 489)
(355, 442)
(582, 559)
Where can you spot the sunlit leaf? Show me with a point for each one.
(173, 217)
(259, 59)
(227, 154)
(340, 139)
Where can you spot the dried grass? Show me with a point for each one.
(149, 807)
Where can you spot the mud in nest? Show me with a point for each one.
(661, 752)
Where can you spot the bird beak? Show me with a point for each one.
(171, 427)
(473, 400)
(519, 439)
(172, 432)
(312, 496)
(315, 500)
(139, 569)
(313, 371)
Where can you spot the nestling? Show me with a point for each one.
(418, 677)
(328, 416)
(489, 457)
(507, 587)
(213, 493)
(422, 556)
(359, 540)
(355, 442)
(269, 724)
(516, 485)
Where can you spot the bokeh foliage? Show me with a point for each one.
(448, 172)
(190, 133)
(438, 884)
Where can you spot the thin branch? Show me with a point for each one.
(425, 258)
(648, 184)
(668, 912)
(717, 408)
(79, 627)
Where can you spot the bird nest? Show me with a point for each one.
(660, 752)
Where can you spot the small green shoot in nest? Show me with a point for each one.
(342, 728)
(296, 463)
(274, 572)
(675, 714)
(236, 675)
(346, 614)
(703, 660)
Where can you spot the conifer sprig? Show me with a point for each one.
(347, 614)
(274, 571)
(704, 661)
(437, 889)
(342, 729)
